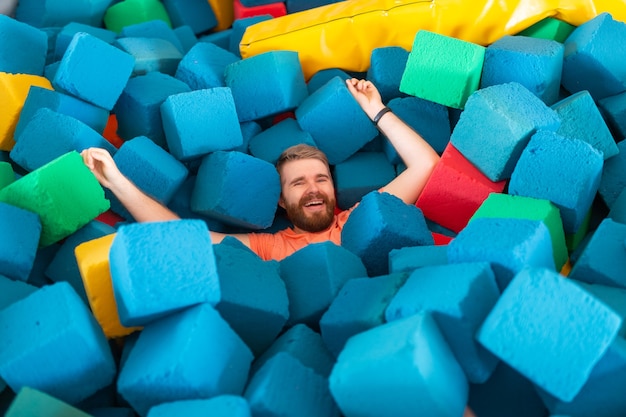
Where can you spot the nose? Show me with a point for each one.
(312, 187)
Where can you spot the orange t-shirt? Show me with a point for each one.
(279, 245)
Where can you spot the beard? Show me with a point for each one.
(312, 222)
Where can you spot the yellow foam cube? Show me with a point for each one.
(92, 258)
(13, 91)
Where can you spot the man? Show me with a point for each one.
(307, 189)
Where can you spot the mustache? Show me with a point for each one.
(314, 196)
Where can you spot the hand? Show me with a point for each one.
(101, 164)
(367, 95)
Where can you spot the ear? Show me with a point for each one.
(281, 201)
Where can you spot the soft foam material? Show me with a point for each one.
(151, 54)
(412, 257)
(178, 254)
(150, 168)
(67, 32)
(220, 406)
(313, 276)
(32, 402)
(20, 230)
(63, 266)
(593, 58)
(94, 70)
(133, 12)
(284, 386)
(186, 37)
(271, 142)
(385, 71)
(613, 110)
(323, 76)
(223, 190)
(294, 6)
(600, 395)
(549, 28)
(12, 291)
(613, 179)
(50, 134)
(511, 206)
(501, 118)
(38, 97)
(359, 306)
(618, 209)
(14, 90)
(410, 350)
(266, 84)
(156, 28)
(459, 297)
(196, 14)
(541, 168)
(612, 296)
(335, 120)
(509, 244)
(532, 62)
(528, 328)
(253, 296)
(64, 193)
(581, 119)
(455, 190)
(238, 29)
(92, 259)
(442, 69)
(53, 14)
(380, 223)
(305, 345)
(7, 175)
(52, 343)
(23, 47)
(603, 258)
(188, 355)
(221, 39)
(201, 121)
(138, 109)
(203, 66)
(429, 119)
(274, 9)
(360, 174)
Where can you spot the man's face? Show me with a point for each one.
(308, 194)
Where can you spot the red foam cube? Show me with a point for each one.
(274, 9)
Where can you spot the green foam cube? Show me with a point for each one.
(30, 402)
(549, 28)
(442, 69)
(132, 12)
(7, 175)
(63, 192)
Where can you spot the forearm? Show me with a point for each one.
(141, 206)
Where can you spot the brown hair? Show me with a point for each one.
(301, 151)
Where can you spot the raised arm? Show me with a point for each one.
(141, 206)
(417, 154)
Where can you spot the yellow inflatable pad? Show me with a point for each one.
(92, 258)
(13, 92)
(343, 35)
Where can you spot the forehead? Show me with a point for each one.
(303, 168)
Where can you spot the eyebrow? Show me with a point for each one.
(300, 178)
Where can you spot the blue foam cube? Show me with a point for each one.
(186, 36)
(594, 57)
(410, 258)
(618, 209)
(151, 54)
(12, 291)
(223, 190)
(285, 387)
(203, 66)
(158, 268)
(238, 28)
(412, 350)
(533, 62)
(32, 402)
(266, 84)
(138, 110)
(24, 47)
(52, 14)
(197, 14)
(20, 230)
(532, 322)
(155, 28)
(200, 121)
(49, 135)
(335, 120)
(188, 355)
(501, 118)
(380, 223)
(613, 180)
(93, 70)
(360, 174)
(313, 276)
(541, 173)
(613, 109)
(509, 244)
(66, 33)
(445, 291)
(219, 406)
(581, 119)
(271, 142)
(360, 305)
(253, 296)
(385, 71)
(52, 343)
(323, 76)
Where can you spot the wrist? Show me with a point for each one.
(379, 115)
